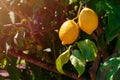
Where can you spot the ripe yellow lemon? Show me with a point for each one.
(69, 31)
(88, 20)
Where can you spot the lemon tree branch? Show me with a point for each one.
(43, 65)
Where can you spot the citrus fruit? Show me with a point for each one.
(88, 20)
(69, 31)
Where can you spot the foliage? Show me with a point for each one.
(62, 59)
(111, 12)
(78, 58)
(109, 69)
(30, 48)
(78, 61)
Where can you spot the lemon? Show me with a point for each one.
(88, 20)
(69, 31)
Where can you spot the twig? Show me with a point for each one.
(94, 67)
(43, 65)
(79, 10)
(16, 24)
(36, 32)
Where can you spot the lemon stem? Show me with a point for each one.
(79, 10)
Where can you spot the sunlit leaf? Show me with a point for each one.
(88, 49)
(78, 61)
(12, 16)
(7, 47)
(111, 62)
(47, 50)
(62, 59)
(26, 51)
(15, 38)
(3, 62)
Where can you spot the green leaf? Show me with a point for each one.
(37, 71)
(103, 5)
(100, 5)
(111, 62)
(108, 69)
(62, 59)
(111, 12)
(113, 27)
(111, 73)
(78, 61)
(13, 71)
(88, 49)
(117, 75)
